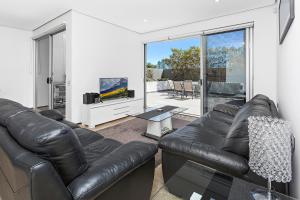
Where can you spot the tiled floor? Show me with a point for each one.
(162, 99)
(159, 192)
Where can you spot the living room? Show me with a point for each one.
(164, 97)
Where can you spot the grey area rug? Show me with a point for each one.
(132, 131)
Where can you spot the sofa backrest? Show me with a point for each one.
(9, 108)
(24, 175)
(237, 139)
(49, 139)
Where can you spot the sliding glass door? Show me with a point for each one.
(224, 68)
(50, 72)
(172, 74)
(201, 71)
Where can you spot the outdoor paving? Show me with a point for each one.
(156, 99)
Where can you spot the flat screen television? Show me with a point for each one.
(113, 87)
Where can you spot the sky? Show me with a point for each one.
(156, 51)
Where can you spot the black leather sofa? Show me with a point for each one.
(43, 159)
(57, 116)
(218, 140)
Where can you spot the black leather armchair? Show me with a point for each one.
(43, 159)
(219, 140)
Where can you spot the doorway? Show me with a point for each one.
(172, 74)
(50, 72)
(217, 63)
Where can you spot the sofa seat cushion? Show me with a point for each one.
(227, 109)
(50, 140)
(98, 149)
(52, 114)
(205, 149)
(111, 168)
(220, 116)
(202, 130)
(210, 125)
(87, 136)
(70, 124)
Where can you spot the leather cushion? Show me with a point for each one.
(9, 108)
(210, 125)
(69, 124)
(107, 170)
(87, 136)
(100, 148)
(237, 139)
(227, 109)
(52, 114)
(220, 116)
(51, 140)
(205, 148)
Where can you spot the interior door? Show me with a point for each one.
(58, 71)
(50, 74)
(42, 89)
(224, 68)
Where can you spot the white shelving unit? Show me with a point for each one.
(99, 113)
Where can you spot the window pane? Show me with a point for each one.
(225, 80)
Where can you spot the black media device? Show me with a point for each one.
(130, 93)
(89, 98)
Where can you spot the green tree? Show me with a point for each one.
(150, 66)
(185, 64)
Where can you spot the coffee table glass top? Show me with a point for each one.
(196, 182)
(158, 114)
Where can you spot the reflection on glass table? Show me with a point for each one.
(159, 120)
(197, 182)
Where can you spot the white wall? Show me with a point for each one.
(16, 75)
(59, 57)
(100, 49)
(288, 89)
(265, 40)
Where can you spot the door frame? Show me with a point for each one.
(49, 34)
(249, 57)
(145, 65)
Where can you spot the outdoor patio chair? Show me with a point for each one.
(178, 88)
(197, 88)
(188, 88)
(171, 90)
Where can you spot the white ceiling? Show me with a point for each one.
(29, 14)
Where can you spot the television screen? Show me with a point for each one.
(113, 87)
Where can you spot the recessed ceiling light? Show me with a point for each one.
(217, 1)
(145, 20)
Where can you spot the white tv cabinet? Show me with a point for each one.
(109, 110)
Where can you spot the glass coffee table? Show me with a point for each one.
(159, 120)
(196, 182)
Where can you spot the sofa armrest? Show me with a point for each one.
(108, 170)
(227, 109)
(207, 155)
